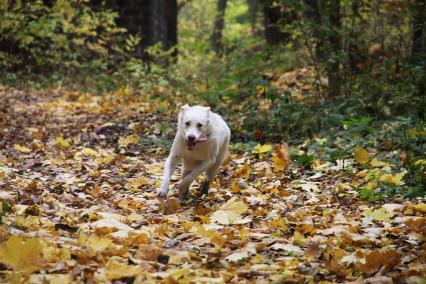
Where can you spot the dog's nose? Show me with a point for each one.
(191, 138)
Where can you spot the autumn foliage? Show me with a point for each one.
(79, 205)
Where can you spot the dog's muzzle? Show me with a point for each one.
(191, 141)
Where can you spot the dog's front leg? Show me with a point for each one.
(186, 182)
(169, 167)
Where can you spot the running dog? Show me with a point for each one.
(201, 144)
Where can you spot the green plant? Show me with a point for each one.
(64, 37)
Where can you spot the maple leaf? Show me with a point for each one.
(393, 179)
(380, 214)
(281, 158)
(230, 212)
(262, 150)
(61, 142)
(379, 164)
(361, 155)
(135, 183)
(116, 270)
(244, 171)
(24, 255)
(97, 243)
(21, 149)
(383, 260)
(123, 142)
(89, 152)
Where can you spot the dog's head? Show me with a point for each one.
(194, 124)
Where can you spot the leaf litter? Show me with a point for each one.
(79, 205)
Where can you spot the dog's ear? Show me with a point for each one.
(184, 107)
(207, 109)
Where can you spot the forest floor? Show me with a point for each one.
(78, 181)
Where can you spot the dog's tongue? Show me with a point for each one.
(203, 138)
(191, 145)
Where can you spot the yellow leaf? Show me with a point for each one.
(361, 155)
(89, 152)
(279, 224)
(230, 212)
(244, 171)
(98, 243)
(380, 214)
(379, 164)
(60, 279)
(24, 255)
(261, 150)
(123, 91)
(125, 141)
(136, 183)
(117, 270)
(421, 207)
(61, 142)
(260, 90)
(22, 149)
(393, 179)
(412, 132)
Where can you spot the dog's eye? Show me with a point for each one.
(199, 125)
(187, 123)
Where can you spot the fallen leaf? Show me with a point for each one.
(262, 150)
(281, 158)
(361, 155)
(22, 149)
(230, 212)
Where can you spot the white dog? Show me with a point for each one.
(201, 143)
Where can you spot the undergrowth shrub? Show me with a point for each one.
(65, 37)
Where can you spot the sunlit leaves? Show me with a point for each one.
(262, 150)
(22, 149)
(230, 213)
(61, 142)
(29, 255)
(380, 214)
(125, 141)
(89, 152)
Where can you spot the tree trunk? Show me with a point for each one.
(218, 26)
(355, 57)
(419, 23)
(253, 6)
(334, 41)
(172, 39)
(418, 51)
(276, 16)
(314, 14)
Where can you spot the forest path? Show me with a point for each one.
(80, 176)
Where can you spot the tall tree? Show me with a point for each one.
(218, 26)
(419, 26)
(418, 50)
(253, 6)
(335, 45)
(275, 18)
(313, 13)
(172, 18)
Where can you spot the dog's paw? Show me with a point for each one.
(183, 197)
(162, 193)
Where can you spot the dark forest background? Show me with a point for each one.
(277, 69)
